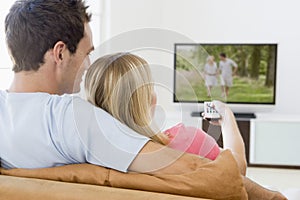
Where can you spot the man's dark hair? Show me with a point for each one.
(33, 27)
(223, 55)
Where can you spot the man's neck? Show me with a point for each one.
(30, 82)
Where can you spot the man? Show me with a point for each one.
(43, 126)
(225, 66)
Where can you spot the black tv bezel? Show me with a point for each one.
(228, 102)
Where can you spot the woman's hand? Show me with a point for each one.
(232, 138)
(224, 111)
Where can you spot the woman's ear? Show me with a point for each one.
(59, 50)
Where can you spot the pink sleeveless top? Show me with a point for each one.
(192, 140)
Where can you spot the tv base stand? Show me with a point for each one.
(216, 133)
(243, 122)
(238, 116)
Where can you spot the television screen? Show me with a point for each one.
(232, 73)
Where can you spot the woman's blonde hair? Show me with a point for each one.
(121, 84)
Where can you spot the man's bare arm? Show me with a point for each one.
(255, 191)
(235, 70)
(157, 159)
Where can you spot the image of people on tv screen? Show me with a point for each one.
(225, 67)
(211, 73)
(235, 73)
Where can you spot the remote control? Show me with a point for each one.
(210, 113)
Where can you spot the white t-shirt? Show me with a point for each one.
(211, 74)
(226, 67)
(41, 130)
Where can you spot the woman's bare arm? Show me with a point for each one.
(232, 138)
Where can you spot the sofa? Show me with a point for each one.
(219, 179)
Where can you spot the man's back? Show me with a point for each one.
(27, 131)
(39, 130)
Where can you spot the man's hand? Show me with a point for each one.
(256, 191)
(235, 71)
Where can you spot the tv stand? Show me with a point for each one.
(243, 122)
(238, 116)
(244, 115)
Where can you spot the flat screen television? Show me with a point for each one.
(232, 73)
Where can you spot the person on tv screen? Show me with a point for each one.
(225, 66)
(210, 72)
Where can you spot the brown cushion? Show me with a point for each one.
(219, 179)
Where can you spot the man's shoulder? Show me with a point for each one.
(68, 100)
(230, 61)
(40, 99)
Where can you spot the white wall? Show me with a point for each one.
(99, 21)
(222, 21)
(6, 74)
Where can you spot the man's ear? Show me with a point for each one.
(59, 51)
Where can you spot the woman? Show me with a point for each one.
(122, 85)
(211, 72)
